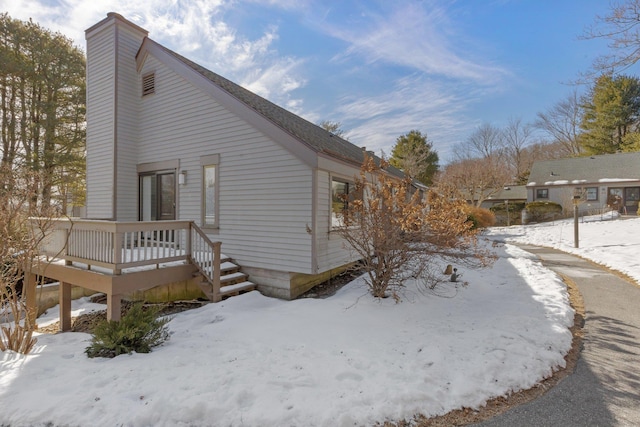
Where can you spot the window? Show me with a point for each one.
(148, 84)
(340, 190)
(592, 193)
(632, 193)
(210, 190)
(542, 193)
(339, 193)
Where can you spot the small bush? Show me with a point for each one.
(543, 211)
(515, 209)
(480, 217)
(138, 330)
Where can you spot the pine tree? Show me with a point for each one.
(415, 156)
(611, 115)
(42, 109)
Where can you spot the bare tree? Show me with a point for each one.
(620, 28)
(18, 249)
(562, 123)
(476, 179)
(516, 136)
(485, 141)
(333, 127)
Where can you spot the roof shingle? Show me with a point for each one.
(582, 170)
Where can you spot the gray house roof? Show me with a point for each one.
(306, 132)
(512, 192)
(605, 168)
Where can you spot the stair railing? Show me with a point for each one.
(206, 256)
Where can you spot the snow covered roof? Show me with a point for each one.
(607, 168)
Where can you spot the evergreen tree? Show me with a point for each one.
(42, 109)
(415, 155)
(611, 115)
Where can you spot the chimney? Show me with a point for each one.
(113, 92)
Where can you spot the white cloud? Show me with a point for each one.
(443, 74)
(194, 28)
(413, 102)
(419, 36)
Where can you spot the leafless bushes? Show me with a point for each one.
(396, 230)
(18, 247)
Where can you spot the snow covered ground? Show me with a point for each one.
(607, 240)
(342, 361)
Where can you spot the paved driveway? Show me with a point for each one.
(604, 390)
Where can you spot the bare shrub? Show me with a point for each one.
(480, 217)
(18, 249)
(396, 230)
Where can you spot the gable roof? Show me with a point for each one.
(583, 170)
(312, 135)
(511, 192)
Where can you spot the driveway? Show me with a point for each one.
(604, 390)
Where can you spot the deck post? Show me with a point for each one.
(216, 270)
(114, 305)
(187, 243)
(65, 306)
(29, 288)
(118, 239)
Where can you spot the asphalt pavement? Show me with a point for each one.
(604, 389)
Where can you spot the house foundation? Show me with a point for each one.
(287, 285)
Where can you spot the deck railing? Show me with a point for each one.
(118, 245)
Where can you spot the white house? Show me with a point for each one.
(609, 180)
(170, 140)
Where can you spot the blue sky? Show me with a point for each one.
(379, 67)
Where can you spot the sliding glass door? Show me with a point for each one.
(157, 196)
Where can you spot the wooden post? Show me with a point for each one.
(576, 238)
(65, 306)
(118, 238)
(187, 243)
(216, 270)
(29, 288)
(114, 305)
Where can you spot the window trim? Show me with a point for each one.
(212, 160)
(539, 191)
(586, 194)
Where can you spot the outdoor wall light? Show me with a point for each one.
(182, 178)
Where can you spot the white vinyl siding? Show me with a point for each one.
(264, 191)
(128, 100)
(100, 130)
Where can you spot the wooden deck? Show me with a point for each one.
(117, 258)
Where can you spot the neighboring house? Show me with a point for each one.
(170, 140)
(610, 180)
(508, 194)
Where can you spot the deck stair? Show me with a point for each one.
(216, 285)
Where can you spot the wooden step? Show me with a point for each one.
(225, 269)
(227, 291)
(232, 279)
(237, 289)
(227, 279)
